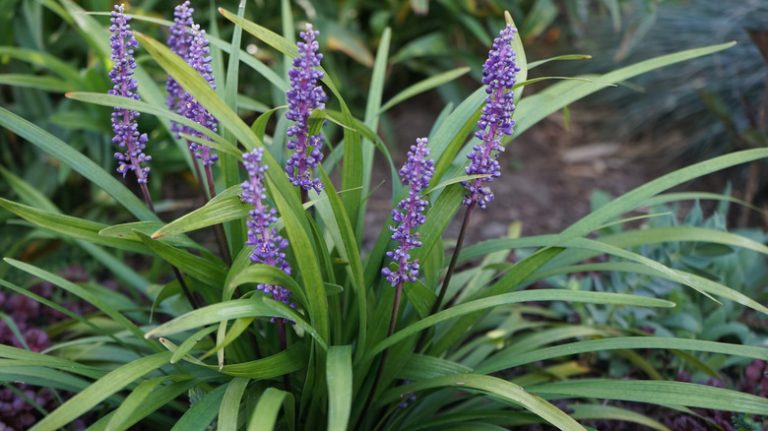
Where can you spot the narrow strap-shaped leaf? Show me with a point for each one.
(234, 309)
(534, 108)
(264, 274)
(226, 206)
(80, 293)
(656, 392)
(512, 298)
(202, 412)
(78, 162)
(509, 358)
(69, 227)
(424, 86)
(45, 83)
(122, 415)
(43, 59)
(339, 375)
(230, 404)
(206, 270)
(211, 314)
(506, 391)
(348, 249)
(100, 390)
(264, 415)
(154, 400)
(100, 99)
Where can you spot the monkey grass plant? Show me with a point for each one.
(291, 323)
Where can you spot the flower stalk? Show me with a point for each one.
(124, 125)
(499, 73)
(408, 216)
(189, 41)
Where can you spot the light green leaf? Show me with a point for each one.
(45, 83)
(264, 416)
(100, 390)
(201, 413)
(230, 404)
(78, 162)
(506, 391)
(513, 298)
(226, 206)
(339, 377)
(509, 358)
(424, 86)
(656, 392)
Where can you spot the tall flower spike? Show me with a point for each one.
(409, 214)
(189, 42)
(127, 135)
(199, 58)
(499, 73)
(305, 96)
(267, 243)
(179, 40)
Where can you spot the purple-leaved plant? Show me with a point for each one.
(305, 96)
(267, 243)
(409, 214)
(124, 125)
(495, 121)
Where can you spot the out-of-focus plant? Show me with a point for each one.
(707, 107)
(303, 328)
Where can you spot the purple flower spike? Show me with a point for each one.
(127, 135)
(189, 42)
(305, 96)
(179, 40)
(499, 73)
(267, 243)
(409, 214)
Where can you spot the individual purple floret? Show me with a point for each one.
(409, 214)
(179, 40)
(305, 96)
(267, 243)
(189, 42)
(124, 125)
(496, 120)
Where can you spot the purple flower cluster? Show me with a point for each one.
(179, 40)
(124, 125)
(189, 42)
(267, 243)
(409, 214)
(305, 96)
(496, 120)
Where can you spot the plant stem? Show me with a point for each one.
(218, 229)
(198, 174)
(281, 335)
(384, 355)
(447, 280)
(184, 288)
